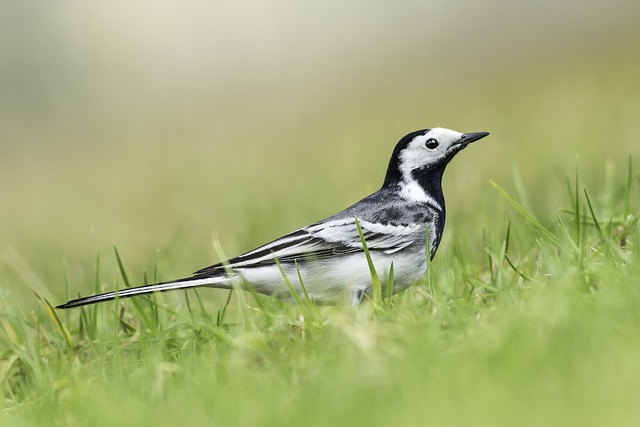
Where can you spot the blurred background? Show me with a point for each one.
(161, 126)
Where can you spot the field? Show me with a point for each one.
(113, 176)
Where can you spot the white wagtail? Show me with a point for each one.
(329, 255)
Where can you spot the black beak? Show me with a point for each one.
(468, 138)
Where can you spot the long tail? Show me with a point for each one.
(186, 283)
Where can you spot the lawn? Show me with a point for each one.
(528, 315)
(543, 329)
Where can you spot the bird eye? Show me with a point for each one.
(431, 144)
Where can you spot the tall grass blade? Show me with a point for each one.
(222, 312)
(593, 216)
(518, 271)
(507, 237)
(375, 280)
(528, 216)
(309, 300)
(292, 290)
(123, 272)
(389, 288)
(136, 301)
(90, 313)
(62, 330)
(241, 297)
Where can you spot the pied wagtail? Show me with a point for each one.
(328, 255)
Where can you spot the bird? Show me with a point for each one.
(401, 225)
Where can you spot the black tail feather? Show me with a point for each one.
(186, 283)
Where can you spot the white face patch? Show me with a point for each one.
(424, 150)
(416, 154)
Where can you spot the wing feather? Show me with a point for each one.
(324, 240)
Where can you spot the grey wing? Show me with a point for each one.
(323, 240)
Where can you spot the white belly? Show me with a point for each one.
(338, 278)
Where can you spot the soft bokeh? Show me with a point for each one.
(157, 126)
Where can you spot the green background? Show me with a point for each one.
(162, 127)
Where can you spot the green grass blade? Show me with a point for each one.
(389, 288)
(518, 271)
(292, 290)
(223, 311)
(241, 298)
(528, 216)
(90, 313)
(507, 237)
(375, 280)
(596, 222)
(136, 301)
(123, 272)
(62, 330)
(310, 301)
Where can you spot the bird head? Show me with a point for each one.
(421, 156)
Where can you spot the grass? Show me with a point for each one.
(141, 128)
(528, 315)
(543, 330)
